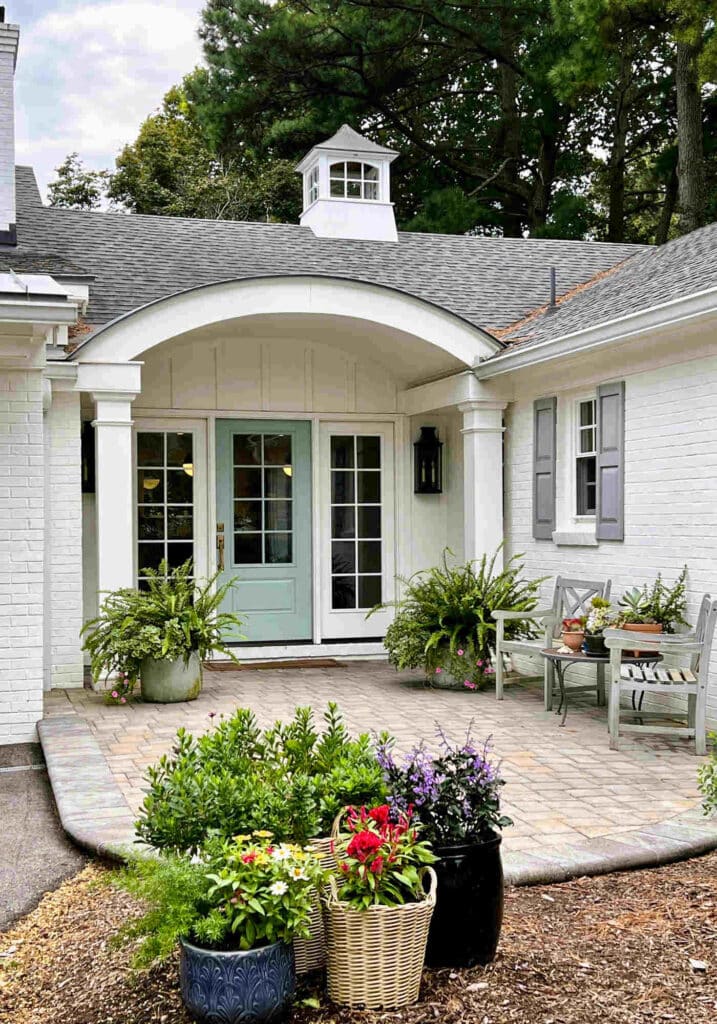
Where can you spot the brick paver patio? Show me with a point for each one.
(563, 784)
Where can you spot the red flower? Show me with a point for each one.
(377, 866)
(380, 814)
(249, 858)
(363, 844)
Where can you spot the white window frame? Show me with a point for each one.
(312, 186)
(198, 429)
(337, 623)
(582, 517)
(364, 181)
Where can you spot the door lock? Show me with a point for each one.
(220, 547)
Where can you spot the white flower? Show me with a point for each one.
(195, 859)
(281, 852)
(278, 888)
(298, 874)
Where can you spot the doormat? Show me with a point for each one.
(258, 666)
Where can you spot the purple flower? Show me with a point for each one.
(438, 670)
(459, 652)
(469, 685)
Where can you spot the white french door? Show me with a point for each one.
(357, 547)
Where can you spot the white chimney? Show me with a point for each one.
(9, 36)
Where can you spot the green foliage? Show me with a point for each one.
(76, 187)
(707, 779)
(172, 619)
(289, 779)
(170, 170)
(381, 860)
(658, 603)
(449, 609)
(239, 894)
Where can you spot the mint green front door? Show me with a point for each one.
(264, 521)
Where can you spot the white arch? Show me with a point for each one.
(129, 336)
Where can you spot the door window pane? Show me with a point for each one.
(247, 483)
(165, 499)
(277, 449)
(278, 547)
(356, 561)
(263, 506)
(247, 515)
(247, 449)
(247, 548)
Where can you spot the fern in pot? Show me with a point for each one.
(161, 635)
(444, 622)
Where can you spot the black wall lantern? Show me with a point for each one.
(428, 463)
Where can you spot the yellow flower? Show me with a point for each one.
(241, 838)
(261, 833)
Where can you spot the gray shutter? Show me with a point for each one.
(610, 515)
(544, 410)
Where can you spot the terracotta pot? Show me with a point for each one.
(642, 627)
(572, 640)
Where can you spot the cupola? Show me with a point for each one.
(347, 188)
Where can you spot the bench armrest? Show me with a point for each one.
(537, 613)
(663, 643)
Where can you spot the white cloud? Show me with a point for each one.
(89, 73)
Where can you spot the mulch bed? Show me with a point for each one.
(622, 949)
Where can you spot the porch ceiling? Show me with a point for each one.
(408, 359)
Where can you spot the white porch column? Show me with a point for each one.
(114, 489)
(482, 477)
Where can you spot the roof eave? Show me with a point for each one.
(625, 328)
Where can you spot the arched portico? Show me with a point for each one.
(336, 374)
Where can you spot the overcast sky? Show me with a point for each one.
(90, 71)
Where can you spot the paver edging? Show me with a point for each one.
(95, 815)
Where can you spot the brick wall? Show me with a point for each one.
(63, 598)
(21, 554)
(670, 488)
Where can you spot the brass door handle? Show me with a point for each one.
(220, 547)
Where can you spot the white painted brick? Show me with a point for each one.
(670, 491)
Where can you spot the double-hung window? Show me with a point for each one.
(586, 458)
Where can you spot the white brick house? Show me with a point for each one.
(264, 385)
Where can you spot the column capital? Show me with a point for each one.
(113, 408)
(482, 417)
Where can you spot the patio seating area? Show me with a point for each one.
(565, 787)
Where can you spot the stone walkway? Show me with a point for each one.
(565, 790)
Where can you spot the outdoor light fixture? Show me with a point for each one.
(428, 463)
(188, 468)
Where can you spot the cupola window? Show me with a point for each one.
(353, 180)
(312, 183)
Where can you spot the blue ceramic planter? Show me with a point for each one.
(253, 987)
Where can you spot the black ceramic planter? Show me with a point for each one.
(466, 923)
(253, 987)
(594, 645)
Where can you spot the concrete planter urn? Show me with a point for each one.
(168, 682)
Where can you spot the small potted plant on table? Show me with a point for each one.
(376, 910)
(456, 798)
(654, 609)
(161, 635)
(599, 618)
(234, 909)
(572, 633)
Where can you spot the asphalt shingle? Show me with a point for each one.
(490, 282)
(654, 276)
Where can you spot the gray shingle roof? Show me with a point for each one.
(679, 268)
(350, 140)
(490, 282)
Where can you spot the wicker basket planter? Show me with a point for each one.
(375, 956)
(310, 954)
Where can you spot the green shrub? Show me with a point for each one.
(289, 779)
(657, 604)
(707, 779)
(444, 620)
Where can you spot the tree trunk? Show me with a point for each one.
(618, 153)
(690, 162)
(668, 208)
